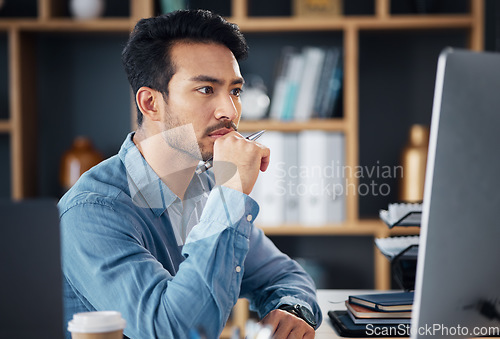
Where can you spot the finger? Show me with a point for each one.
(283, 329)
(296, 334)
(271, 321)
(234, 134)
(310, 334)
(264, 164)
(265, 158)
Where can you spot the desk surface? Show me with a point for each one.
(333, 300)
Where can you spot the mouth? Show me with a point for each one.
(220, 132)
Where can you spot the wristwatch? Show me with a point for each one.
(300, 311)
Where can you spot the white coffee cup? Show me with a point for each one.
(97, 325)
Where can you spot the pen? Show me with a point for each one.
(209, 163)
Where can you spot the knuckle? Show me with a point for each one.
(249, 147)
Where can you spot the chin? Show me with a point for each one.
(206, 152)
(206, 156)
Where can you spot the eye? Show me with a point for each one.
(236, 92)
(206, 90)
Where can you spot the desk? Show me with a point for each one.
(333, 300)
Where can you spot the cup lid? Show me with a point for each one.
(95, 322)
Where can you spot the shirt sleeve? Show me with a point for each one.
(272, 279)
(108, 266)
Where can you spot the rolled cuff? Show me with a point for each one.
(225, 208)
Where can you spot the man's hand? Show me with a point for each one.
(237, 161)
(287, 325)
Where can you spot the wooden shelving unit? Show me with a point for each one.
(21, 126)
(21, 33)
(351, 27)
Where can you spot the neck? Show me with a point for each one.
(175, 168)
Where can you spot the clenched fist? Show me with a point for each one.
(237, 161)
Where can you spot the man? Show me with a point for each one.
(170, 249)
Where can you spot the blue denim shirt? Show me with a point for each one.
(120, 251)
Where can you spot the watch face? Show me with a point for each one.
(306, 315)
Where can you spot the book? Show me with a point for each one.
(345, 327)
(280, 84)
(331, 59)
(293, 80)
(361, 312)
(308, 89)
(387, 302)
(333, 89)
(378, 321)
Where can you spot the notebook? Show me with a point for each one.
(386, 302)
(367, 313)
(344, 325)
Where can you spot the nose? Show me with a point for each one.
(228, 108)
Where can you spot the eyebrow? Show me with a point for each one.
(207, 78)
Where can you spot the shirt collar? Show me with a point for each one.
(147, 189)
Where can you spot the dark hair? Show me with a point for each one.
(146, 57)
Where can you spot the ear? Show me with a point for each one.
(148, 102)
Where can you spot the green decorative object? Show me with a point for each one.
(168, 6)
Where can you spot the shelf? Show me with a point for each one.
(292, 126)
(5, 126)
(122, 25)
(412, 230)
(364, 227)
(264, 24)
(401, 22)
(396, 22)
(373, 227)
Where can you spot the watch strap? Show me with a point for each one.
(298, 310)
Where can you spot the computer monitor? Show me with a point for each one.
(30, 270)
(458, 263)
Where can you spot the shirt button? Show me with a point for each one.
(249, 217)
(238, 269)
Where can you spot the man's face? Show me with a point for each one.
(204, 97)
